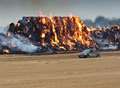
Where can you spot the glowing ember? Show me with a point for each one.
(6, 51)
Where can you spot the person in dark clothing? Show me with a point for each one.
(11, 28)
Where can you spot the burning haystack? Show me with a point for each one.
(54, 33)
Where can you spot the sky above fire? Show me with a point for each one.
(12, 10)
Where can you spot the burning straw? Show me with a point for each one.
(54, 33)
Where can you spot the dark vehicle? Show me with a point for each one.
(89, 53)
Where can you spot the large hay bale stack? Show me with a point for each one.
(63, 32)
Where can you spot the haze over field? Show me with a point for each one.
(12, 10)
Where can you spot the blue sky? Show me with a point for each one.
(12, 10)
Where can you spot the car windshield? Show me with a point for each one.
(86, 51)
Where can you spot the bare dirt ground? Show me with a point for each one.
(60, 71)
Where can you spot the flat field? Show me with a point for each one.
(60, 71)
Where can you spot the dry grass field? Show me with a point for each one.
(60, 71)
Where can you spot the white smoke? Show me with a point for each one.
(23, 44)
(3, 30)
(16, 41)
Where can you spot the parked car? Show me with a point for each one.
(87, 53)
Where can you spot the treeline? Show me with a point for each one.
(102, 21)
